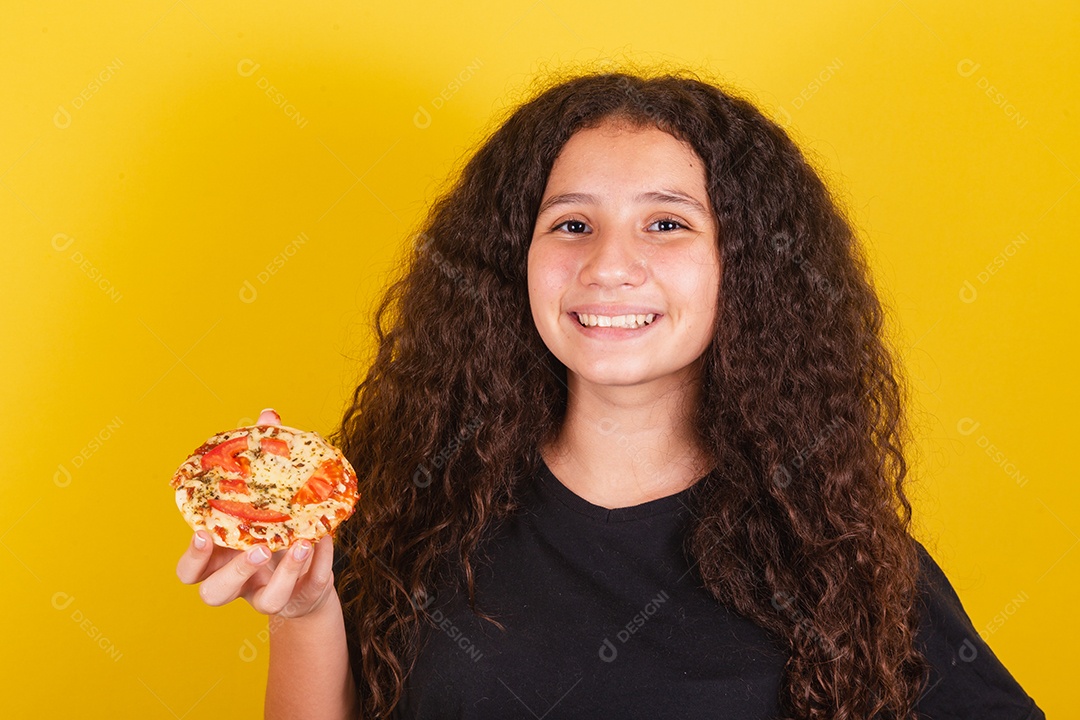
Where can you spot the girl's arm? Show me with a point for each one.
(309, 674)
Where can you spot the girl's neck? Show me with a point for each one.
(623, 446)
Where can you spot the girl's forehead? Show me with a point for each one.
(621, 138)
(624, 155)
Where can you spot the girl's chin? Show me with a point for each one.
(610, 376)
(607, 372)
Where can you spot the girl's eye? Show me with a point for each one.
(572, 226)
(668, 224)
(577, 227)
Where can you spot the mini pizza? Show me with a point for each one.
(265, 484)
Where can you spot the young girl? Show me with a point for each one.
(632, 446)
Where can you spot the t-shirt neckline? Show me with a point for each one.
(554, 488)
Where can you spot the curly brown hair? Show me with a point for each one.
(803, 524)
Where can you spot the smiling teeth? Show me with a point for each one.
(620, 321)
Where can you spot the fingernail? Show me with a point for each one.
(200, 541)
(258, 554)
(302, 550)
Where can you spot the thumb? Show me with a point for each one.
(268, 416)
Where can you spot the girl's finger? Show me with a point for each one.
(193, 562)
(268, 416)
(275, 595)
(320, 571)
(225, 584)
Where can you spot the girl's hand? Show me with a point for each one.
(291, 583)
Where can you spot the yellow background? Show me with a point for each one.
(132, 223)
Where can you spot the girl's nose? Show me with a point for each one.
(615, 259)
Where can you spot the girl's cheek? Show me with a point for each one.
(555, 270)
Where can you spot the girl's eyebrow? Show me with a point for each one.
(665, 196)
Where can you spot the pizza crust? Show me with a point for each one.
(268, 486)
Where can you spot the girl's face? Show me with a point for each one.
(626, 242)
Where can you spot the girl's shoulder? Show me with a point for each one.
(966, 678)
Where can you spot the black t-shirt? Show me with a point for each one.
(606, 618)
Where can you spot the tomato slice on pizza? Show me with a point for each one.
(246, 511)
(321, 484)
(228, 456)
(274, 446)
